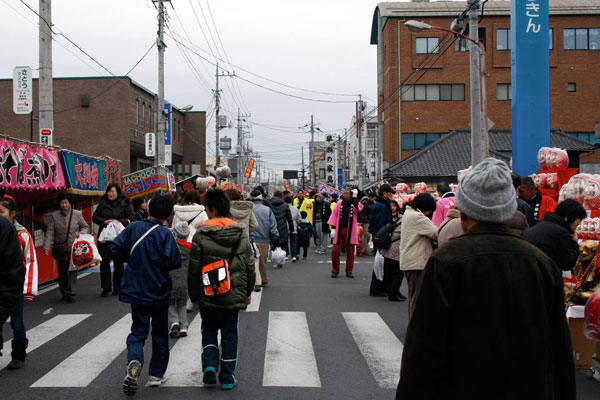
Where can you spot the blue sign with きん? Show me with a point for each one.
(168, 130)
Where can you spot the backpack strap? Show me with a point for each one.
(142, 238)
(235, 248)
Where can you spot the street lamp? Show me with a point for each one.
(187, 108)
(479, 122)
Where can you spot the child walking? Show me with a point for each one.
(178, 321)
(305, 228)
(220, 239)
(8, 210)
(151, 252)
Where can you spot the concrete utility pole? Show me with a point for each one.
(303, 187)
(478, 149)
(46, 97)
(217, 111)
(360, 165)
(312, 154)
(160, 107)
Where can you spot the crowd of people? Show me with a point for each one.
(482, 266)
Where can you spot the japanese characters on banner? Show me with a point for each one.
(114, 173)
(330, 173)
(187, 184)
(144, 182)
(23, 167)
(322, 188)
(249, 168)
(83, 175)
(226, 186)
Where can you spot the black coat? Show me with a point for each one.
(555, 238)
(12, 270)
(120, 209)
(305, 229)
(323, 208)
(489, 314)
(283, 215)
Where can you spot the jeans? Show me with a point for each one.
(142, 316)
(228, 322)
(105, 280)
(16, 322)
(66, 278)
(319, 241)
(178, 313)
(294, 244)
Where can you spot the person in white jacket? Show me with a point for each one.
(416, 245)
(8, 210)
(191, 211)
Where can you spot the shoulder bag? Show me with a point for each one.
(216, 278)
(62, 251)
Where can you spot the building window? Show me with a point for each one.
(372, 131)
(503, 91)
(137, 111)
(462, 44)
(581, 39)
(572, 87)
(502, 39)
(321, 173)
(428, 45)
(144, 114)
(150, 117)
(446, 92)
(587, 136)
(551, 38)
(417, 141)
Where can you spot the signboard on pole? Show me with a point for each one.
(46, 136)
(168, 136)
(150, 141)
(249, 168)
(22, 90)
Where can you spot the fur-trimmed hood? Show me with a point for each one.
(188, 212)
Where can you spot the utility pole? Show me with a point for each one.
(360, 167)
(303, 188)
(312, 154)
(217, 111)
(46, 97)
(160, 108)
(478, 150)
(346, 155)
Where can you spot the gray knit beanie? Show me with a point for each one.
(181, 230)
(486, 193)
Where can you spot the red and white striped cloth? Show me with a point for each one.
(30, 286)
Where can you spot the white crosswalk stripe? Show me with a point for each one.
(83, 366)
(185, 359)
(255, 303)
(379, 346)
(290, 359)
(47, 331)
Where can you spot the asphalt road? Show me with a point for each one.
(308, 337)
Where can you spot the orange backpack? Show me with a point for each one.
(216, 278)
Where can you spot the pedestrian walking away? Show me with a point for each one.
(113, 207)
(178, 321)
(296, 217)
(64, 226)
(285, 223)
(222, 242)
(344, 219)
(305, 230)
(190, 210)
(380, 216)
(265, 234)
(151, 252)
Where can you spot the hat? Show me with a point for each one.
(385, 188)
(256, 196)
(486, 193)
(181, 230)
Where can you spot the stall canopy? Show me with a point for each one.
(145, 181)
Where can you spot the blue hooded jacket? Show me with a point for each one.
(146, 280)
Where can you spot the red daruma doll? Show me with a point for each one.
(591, 196)
(557, 158)
(577, 185)
(542, 154)
(401, 188)
(420, 187)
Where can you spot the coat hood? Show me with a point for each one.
(240, 209)
(276, 201)
(224, 231)
(453, 213)
(188, 211)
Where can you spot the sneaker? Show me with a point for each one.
(15, 364)
(257, 288)
(596, 375)
(130, 383)
(229, 386)
(293, 259)
(105, 292)
(174, 331)
(183, 333)
(334, 274)
(209, 376)
(349, 275)
(154, 381)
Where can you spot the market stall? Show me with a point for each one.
(146, 181)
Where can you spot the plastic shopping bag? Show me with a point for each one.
(111, 232)
(378, 268)
(84, 252)
(278, 256)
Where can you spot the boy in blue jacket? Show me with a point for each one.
(151, 252)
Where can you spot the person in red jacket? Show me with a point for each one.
(539, 204)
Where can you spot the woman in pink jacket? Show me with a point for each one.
(344, 219)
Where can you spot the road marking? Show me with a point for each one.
(290, 359)
(83, 366)
(379, 346)
(46, 331)
(255, 304)
(185, 359)
(52, 287)
(344, 262)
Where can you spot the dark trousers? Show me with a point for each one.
(392, 277)
(66, 278)
(105, 280)
(228, 322)
(413, 278)
(377, 287)
(304, 251)
(19, 342)
(337, 250)
(142, 317)
(294, 244)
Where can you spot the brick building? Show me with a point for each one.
(108, 115)
(427, 108)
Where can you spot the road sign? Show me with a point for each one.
(168, 136)
(22, 90)
(46, 136)
(150, 144)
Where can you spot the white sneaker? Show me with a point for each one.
(174, 331)
(293, 259)
(183, 333)
(596, 375)
(153, 381)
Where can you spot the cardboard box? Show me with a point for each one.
(583, 348)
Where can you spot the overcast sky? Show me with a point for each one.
(317, 45)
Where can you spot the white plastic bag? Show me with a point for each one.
(378, 267)
(278, 256)
(111, 231)
(82, 246)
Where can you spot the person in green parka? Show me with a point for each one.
(221, 238)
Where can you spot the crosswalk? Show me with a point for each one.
(289, 357)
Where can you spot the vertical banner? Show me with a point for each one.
(22, 90)
(168, 136)
(530, 73)
(249, 168)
